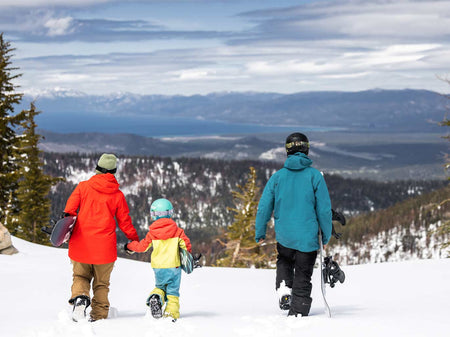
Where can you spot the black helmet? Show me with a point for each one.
(297, 142)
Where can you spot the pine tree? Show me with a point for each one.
(446, 122)
(8, 140)
(33, 185)
(241, 249)
(445, 228)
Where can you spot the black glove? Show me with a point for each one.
(196, 258)
(64, 214)
(339, 217)
(129, 252)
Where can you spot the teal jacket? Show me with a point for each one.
(298, 197)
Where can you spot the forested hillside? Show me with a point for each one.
(201, 190)
(408, 230)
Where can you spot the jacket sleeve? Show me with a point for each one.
(323, 208)
(265, 209)
(124, 219)
(73, 203)
(184, 242)
(141, 246)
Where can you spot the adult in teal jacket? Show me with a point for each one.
(297, 195)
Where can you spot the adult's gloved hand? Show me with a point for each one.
(128, 251)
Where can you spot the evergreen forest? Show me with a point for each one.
(203, 192)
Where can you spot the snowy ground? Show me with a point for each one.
(390, 299)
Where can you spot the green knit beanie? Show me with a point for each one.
(106, 164)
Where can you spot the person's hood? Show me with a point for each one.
(163, 228)
(297, 161)
(104, 183)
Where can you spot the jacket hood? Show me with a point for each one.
(163, 228)
(104, 183)
(297, 161)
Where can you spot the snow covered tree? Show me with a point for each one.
(8, 140)
(241, 250)
(33, 185)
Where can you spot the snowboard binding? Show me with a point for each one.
(332, 273)
(49, 228)
(196, 258)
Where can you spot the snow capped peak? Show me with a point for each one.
(59, 92)
(122, 95)
(53, 93)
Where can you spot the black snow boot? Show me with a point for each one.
(285, 302)
(80, 304)
(296, 314)
(300, 307)
(154, 302)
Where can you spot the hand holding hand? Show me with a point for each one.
(128, 251)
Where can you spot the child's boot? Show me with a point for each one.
(156, 301)
(172, 308)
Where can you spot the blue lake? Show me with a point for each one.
(154, 127)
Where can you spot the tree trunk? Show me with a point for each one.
(236, 251)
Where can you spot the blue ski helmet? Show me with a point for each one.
(161, 208)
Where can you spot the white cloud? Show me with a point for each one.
(65, 78)
(346, 75)
(194, 74)
(290, 67)
(332, 45)
(391, 19)
(59, 26)
(51, 3)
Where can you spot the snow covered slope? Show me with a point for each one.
(389, 299)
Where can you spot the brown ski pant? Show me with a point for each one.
(83, 274)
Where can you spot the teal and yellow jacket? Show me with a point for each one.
(166, 238)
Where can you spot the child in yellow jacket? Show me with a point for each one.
(167, 239)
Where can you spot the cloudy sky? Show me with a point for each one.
(202, 46)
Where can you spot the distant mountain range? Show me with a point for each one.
(372, 110)
(378, 134)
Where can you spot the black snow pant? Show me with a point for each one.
(295, 268)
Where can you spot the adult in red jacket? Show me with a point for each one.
(93, 244)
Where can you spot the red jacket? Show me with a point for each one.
(166, 238)
(98, 200)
